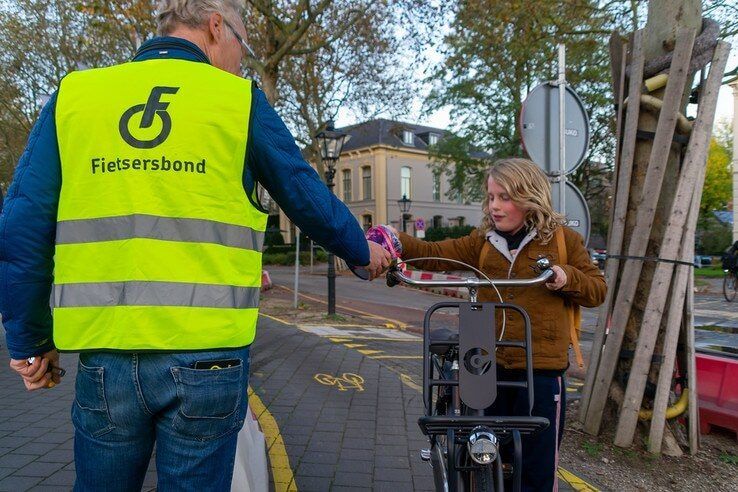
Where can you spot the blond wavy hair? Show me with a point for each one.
(529, 188)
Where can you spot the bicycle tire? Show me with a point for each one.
(729, 286)
(482, 480)
(438, 464)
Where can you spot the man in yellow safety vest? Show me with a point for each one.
(134, 210)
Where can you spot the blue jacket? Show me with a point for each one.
(28, 219)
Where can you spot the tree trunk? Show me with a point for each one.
(268, 83)
(665, 18)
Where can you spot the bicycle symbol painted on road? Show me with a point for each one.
(345, 382)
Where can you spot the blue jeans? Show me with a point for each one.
(127, 401)
(540, 452)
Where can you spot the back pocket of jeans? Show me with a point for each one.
(209, 401)
(90, 410)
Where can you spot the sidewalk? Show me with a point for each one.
(36, 434)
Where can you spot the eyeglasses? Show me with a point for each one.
(243, 43)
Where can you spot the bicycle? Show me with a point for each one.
(460, 382)
(730, 284)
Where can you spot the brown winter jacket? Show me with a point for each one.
(550, 319)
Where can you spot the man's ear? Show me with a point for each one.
(216, 26)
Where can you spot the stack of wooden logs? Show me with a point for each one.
(673, 277)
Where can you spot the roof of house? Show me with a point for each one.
(381, 131)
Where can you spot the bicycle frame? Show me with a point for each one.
(474, 382)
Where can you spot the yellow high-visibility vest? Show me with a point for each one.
(158, 247)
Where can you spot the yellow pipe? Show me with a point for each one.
(655, 82)
(654, 104)
(673, 411)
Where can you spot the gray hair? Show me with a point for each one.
(192, 13)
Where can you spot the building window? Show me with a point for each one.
(346, 178)
(366, 222)
(366, 182)
(432, 139)
(437, 221)
(461, 221)
(405, 184)
(436, 186)
(407, 137)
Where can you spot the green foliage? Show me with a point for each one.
(712, 237)
(718, 187)
(464, 166)
(288, 258)
(729, 458)
(441, 233)
(273, 238)
(709, 272)
(593, 449)
(496, 52)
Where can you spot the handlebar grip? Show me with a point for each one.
(391, 280)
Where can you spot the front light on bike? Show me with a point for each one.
(483, 446)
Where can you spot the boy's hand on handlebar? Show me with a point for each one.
(379, 260)
(558, 280)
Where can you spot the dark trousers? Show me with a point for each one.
(540, 452)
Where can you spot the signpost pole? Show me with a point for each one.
(562, 128)
(297, 265)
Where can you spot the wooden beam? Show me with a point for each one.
(692, 167)
(618, 62)
(688, 325)
(696, 157)
(620, 210)
(644, 221)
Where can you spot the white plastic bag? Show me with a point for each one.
(250, 472)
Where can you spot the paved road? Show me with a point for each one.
(346, 400)
(716, 319)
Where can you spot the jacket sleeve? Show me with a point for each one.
(27, 231)
(585, 283)
(296, 187)
(466, 249)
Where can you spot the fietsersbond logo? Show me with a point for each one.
(153, 107)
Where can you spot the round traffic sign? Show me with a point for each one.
(539, 128)
(419, 224)
(577, 212)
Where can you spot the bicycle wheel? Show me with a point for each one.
(438, 462)
(482, 480)
(729, 286)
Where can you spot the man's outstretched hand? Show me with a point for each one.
(379, 260)
(35, 375)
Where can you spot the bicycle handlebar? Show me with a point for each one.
(395, 276)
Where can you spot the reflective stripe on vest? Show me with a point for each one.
(166, 228)
(157, 244)
(155, 294)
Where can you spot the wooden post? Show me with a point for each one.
(620, 209)
(695, 159)
(688, 326)
(646, 213)
(693, 166)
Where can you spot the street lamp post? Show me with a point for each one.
(404, 204)
(331, 143)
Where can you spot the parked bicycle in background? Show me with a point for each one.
(730, 267)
